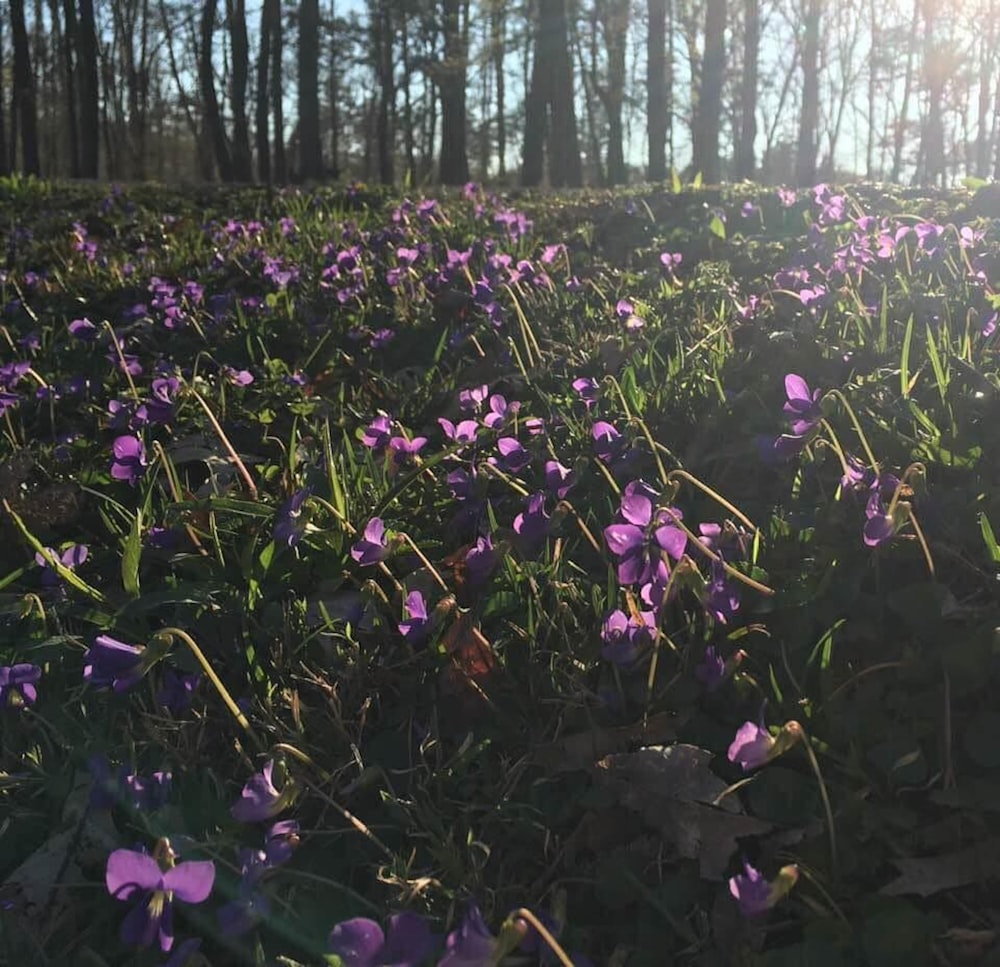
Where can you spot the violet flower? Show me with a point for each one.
(289, 523)
(131, 874)
(414, 629)
(374, 545)
(752, 747)
(71, 558)
(149, 794)
(711, 670)
(480, 560)
(178, 690)
(625, 638)
(471, 944)
(559, 479)
(129, 459)
(641, 542)
(376, 434)
(802, 405)
(110, 663)
(405, 451)
(260, 798)
(755, 895)
(532, 524)
(515, 457)
(17, 685)
(500, 411)
(361, 943)
(471, 400)
(751, 891)
(587, 389)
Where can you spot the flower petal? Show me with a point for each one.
(191, 882)
(129, 871)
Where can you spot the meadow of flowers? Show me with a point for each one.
(468, 579)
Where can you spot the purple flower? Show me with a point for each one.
(481, 559)
(374, 546)
(532, 524)
(83, 329)
(110, 663)
(414, 628)
(608, 442)
(282, 838)
(559, 479)
(722, 600)
(625, 637)
(801, 405)
(131, 874)
(71, 558)
(361, 943)
(17, 685)
(160, 406)
(500, 411)
(376, 435)
(711, 670)
(148, 794)
(470, 400)
(178, 690)
(260, 798)
(640, 542)
(587, 389)
(129, 459)
(471, 944)
(465, 432)
(881, 525)
(752, 747)
(405, 451)
(289, 524)
(515, 457)
(751, 891)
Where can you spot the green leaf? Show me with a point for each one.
(717, 227)
(989, 539)
(131, 556)
(940, 375)
(904, 362)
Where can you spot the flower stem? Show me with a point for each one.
(523, 913)
(233, 455)
(224, 693)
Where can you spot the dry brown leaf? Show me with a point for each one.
(580, 750)
(673, 789)
(927, 875)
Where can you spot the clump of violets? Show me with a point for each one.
(17, 685)
(155, 882)
(755, 894)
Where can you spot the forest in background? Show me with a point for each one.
(558, 92)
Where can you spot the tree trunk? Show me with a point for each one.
(709, 113)
(261, 112)
(745, 160)
(334, 98)
(552, 91)
(242, 158)
(899, 135)
(210, 102)
(24, 90)
(4, 163)
(385, 146)
(657, 109)
(615, 25)
(499, 47)
(805, 165)
(277, 94)
(69, 59)
(451, 78)
(310, 145)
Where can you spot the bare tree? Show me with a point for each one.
(23, 107)
(549, 113)
(236, 13)
(210, 101)
(705, 135)
(805, 165)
